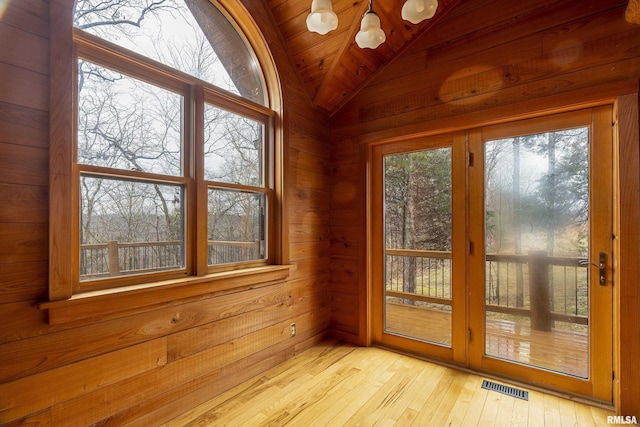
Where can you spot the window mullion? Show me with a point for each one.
(132, 175)
(200, 204)
(236, 187)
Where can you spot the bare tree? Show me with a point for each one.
(116, 15)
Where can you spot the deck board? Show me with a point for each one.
(557, 350)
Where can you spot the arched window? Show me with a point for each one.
(163, 151)
(192, 36)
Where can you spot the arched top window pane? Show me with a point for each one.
(192, 36)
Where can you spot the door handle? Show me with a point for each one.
(602, 268)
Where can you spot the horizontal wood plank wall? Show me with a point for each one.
(485, 62)
(148, 367)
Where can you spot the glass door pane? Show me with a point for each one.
(537, 247)
(418, 243)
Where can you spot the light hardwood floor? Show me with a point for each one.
(335, 384)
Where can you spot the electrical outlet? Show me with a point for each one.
(292, 328)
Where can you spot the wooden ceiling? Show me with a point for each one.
(332, 66)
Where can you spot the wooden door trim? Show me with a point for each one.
(602, 232)
(627, 247)
(625, 377)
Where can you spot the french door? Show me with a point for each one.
(492, 249)
(418, 246)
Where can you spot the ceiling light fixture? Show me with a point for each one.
(416, 11)
(323, 19)
(370, 35)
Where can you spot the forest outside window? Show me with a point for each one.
(172, 165)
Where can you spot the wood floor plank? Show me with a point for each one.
(505, 410)
(463, 401)
(335, 384)
(551, 411)
(237, 407)
(536, 409)
(567, 413)
(356, 397)
(520, 415)
(338, 399)
(323, 374)
(236, 401)
(599, 415)
(376, 406)
(408, 417)
(286, 408)
(293, 388)
(448, 401)
(490, 410)
(429, 384)
(584, 416)
(435, 398)
(414, 387)
(476, 406)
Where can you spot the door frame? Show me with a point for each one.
(463, 352)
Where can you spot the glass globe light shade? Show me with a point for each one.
(416, 11)
(370, 35)
(322, 18)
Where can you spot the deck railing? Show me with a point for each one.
(544, 288)
(222, 252)
(115, 258)
(419, 275)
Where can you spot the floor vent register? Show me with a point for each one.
(505, 389)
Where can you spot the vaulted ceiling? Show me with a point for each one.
(332, 66)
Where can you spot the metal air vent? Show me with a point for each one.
(505, 389)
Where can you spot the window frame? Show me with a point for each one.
(68, 45)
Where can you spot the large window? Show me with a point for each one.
(169, 168)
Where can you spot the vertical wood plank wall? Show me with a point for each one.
(149, 367)
(485, 62)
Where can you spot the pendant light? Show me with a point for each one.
(416, 11)
(322, 18)
(370, 35)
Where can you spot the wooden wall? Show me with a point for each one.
(148, 367)
(485, 62)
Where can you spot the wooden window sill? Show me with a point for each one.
(88, 307)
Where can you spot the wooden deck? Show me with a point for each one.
(341, 385)
(556, 350)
